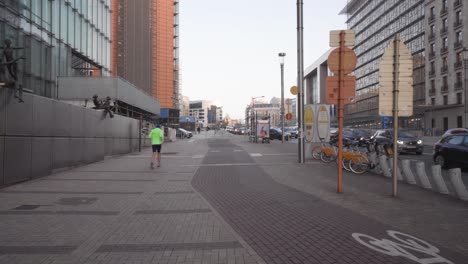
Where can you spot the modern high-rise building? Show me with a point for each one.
(57, 38)
(376, 22)
(446, 69)
(146, 52)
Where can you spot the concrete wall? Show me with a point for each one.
(42, 135)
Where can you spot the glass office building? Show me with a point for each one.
(59, 38)
(376, 23)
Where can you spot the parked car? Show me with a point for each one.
(276, 133)
(363, 136)
(293, 133)
(348, 136)
(182, 133)
(452, 150)
(406, 141)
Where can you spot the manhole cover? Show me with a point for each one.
(27, 207)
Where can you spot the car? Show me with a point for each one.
(349, 136)
(182, 133)
(292, 132)
(406, 141)
(454, 131)
(452, 150)
(276, 133)
(363, 136)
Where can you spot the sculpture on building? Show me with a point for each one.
(9, 69)
(104, 105)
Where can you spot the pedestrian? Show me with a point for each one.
(157, 138)
(198, 129)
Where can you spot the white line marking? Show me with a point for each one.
(404, 245)
(198, 156)
(214, 151)
(256, 154)
(238, 150)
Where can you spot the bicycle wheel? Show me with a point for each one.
(325, 158)
(345, 164)
(316, 152)
(358, 165)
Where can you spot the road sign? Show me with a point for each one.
(348, 91)
(405, 81)
(350, 38)
(288, 116)
(348, 63)
(323, 122)
(294, 90)
(309, 119)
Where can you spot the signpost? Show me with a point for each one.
(341, 89)
(309, 119)
(396, 79)
(323, 122)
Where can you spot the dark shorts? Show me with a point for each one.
(156, 148)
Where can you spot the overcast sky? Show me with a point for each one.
(229, 48)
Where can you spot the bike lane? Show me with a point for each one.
(284, 225)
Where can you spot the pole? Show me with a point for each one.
(300, 79)
(465, 83)
(396, 69)
(339, 188)
(282, 102)
(139, 133)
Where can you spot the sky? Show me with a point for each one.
(229, 48)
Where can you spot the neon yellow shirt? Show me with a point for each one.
(157, 136)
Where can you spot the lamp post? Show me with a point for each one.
(281, 59)
(253, 127)
(465, 84)
(300, 79)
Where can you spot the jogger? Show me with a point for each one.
(157, 138)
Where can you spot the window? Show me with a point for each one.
(459, 121)
(432, 101)
(444, 24)
(432, 48)
(432, 121)
(432, 66)
(444, 62)
(455, 140)
(445, 43)
(432, 11)
(459, 99)
(445, 101)
(445, 123)
(459, 77)
(459, 37)
(444, 5)
(432, 30)
(433, 85)
(459, 57)
(458, 18)
(444, 81)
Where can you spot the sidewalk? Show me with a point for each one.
(420, 212)
(220, 199)
(119, 211)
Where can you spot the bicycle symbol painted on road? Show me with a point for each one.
(402, 247)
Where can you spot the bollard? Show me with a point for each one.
(409, 176)
(400, 177)
(384, 166)
(438, 180)
(421, 172)
(458, 185)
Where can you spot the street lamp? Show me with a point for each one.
(281, 60)
(253, 128)
(465, 62)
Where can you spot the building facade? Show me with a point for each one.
(259, 111)
(147, 51)
(57, 38)
(315, 77)
(376, 23)
(206, 112)
(446, 67)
